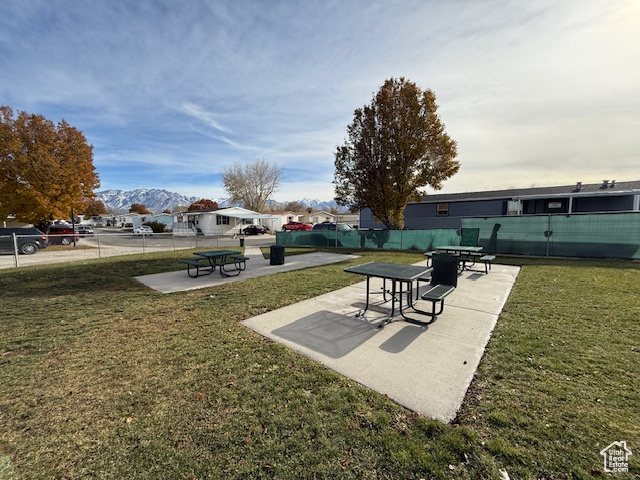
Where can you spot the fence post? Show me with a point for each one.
(99, 248)
(548, 234)
(15, 250)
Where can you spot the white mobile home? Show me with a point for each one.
(225, 221)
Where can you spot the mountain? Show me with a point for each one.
(154, 199)
(158, 200)
(319, 205)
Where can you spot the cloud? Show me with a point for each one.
(541, 90)
(205, 117)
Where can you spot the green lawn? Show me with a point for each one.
(101, 377)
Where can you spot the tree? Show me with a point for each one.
(203, 204)
(139, 208)
(395, 146)
(46, 170)
(251, 184)
(95, 208)
(294, 206)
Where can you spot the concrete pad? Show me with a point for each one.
(425, 368)
(257, 266)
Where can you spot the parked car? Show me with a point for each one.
(62, 235)
(30, 240)
(342, 227)
(291, 226)
(84, 230)
(255, 230)
(142, 230)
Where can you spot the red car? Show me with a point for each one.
(62, 235)
(291, 226)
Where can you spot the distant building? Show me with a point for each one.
(223, 221)
(447, 210)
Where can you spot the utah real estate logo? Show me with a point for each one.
(616, 457)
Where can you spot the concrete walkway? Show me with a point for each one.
(257, 266)
(426, 369)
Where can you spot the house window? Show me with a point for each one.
(442, 210)
(222, 220)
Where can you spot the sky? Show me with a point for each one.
(169, 93)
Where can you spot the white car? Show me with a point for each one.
(142, 230)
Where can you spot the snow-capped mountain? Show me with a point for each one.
(319, 205)
(157, 200)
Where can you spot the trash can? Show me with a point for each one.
(277, 254)
(242, 241)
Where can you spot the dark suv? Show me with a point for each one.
(29, 240)
(342, 227)
(62, 235)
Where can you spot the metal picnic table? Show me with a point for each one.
(466, 252)
(402, 278)
(219, 259)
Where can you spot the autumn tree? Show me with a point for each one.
(395, 146)
(203, 204)
(139, 208)
(46, 170)
(251, 184)
(95, 208)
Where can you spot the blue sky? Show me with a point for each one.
(169, 92)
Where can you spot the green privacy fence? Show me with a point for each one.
(598, 235)
(422, 240)
(603, 235)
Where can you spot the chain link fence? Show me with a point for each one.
(103, 245)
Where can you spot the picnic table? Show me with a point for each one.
(467, 254)
(459, 249)
(401, 278)
(228, 262)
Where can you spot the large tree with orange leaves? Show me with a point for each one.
(46, 170)
(395, 146)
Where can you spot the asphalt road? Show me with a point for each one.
(108, 242)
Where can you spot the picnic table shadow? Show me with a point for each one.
(329, 333)
(335, 334)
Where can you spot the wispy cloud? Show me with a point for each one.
(546, 90)
(207, 118)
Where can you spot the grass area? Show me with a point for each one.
(101, 377)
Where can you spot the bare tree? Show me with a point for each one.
(251, 184)
(294, 206)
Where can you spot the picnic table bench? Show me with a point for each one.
(228, 262)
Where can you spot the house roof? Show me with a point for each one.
(611, 188)
(234, 212)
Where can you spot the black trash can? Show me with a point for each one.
(277, 254)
